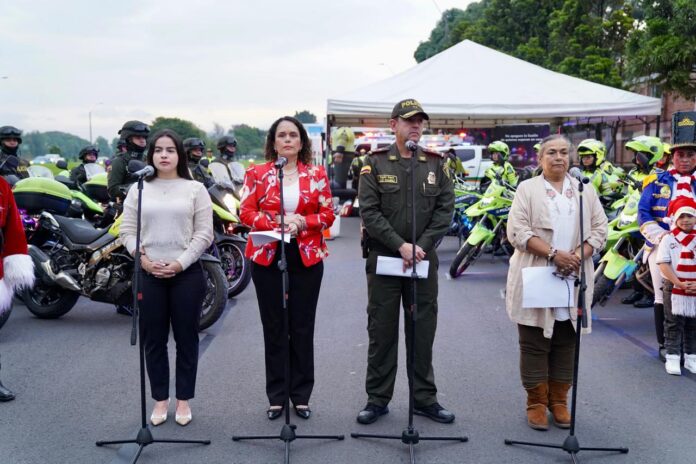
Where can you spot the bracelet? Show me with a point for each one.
(552, 254)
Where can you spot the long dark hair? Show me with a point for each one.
(182, 164)
(305, 154)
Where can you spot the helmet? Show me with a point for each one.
(10, 132)
(537, 147)
(667, 148)
(647, 148)
(226, 140)
(589, 147)
(134, 128)
(120, 144)
(500, 147)
(86, 150)
(192, 143)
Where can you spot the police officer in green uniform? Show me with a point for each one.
(385, 208)
(87, 155)
(135, 134)
(10, 162)
(500, 152)
(194, 148)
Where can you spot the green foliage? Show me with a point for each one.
(250, 140)
(184, 128)
(663, 47)
(104, 147)
(583, 38)
(305, 117)
(39, 143)
(54, 150)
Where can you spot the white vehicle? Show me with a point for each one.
(373, 142)
(475, 159)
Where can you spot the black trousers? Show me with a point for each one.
(176, 301)
(303, 295)
(680, 331)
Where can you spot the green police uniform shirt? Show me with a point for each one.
(385, 198)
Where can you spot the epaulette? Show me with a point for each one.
(380, 150)
(431, 152)
(650, 179)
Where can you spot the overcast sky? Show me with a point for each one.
(230, 62)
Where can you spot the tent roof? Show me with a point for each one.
(469, 85)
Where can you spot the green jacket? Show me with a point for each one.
(385, 199)
(604, 183)
(119, 177)
(506, 171)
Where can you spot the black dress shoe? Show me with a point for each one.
(632, 298)
(646, 302)
(436, 413)
(371, 413)
(274, 413)
(5, 394)
(304, 412)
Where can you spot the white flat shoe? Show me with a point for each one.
(158, 419)
(184, 420)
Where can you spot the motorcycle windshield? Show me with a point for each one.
(92, 169)
(237, 170)
(219, 172)
(40, 171)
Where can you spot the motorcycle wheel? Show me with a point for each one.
(215, 295)
(602, 289)
(464, 258)
(236, 267)
(5, 316)
(49, 301)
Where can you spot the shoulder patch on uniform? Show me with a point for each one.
(366, 169)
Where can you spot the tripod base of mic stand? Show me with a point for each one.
(410, 437)
(145, 438)
(287, 435)
(570, 445)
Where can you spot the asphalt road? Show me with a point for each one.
(77, 381)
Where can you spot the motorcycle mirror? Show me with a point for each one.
(11, 179)
(62, 164)
(135, 165)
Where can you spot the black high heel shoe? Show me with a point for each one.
(274, 412)
(303, 411)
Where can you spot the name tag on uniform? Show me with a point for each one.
(387, 179)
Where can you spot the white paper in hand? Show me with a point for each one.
(262, 237)
(542, 289)
(387, 265)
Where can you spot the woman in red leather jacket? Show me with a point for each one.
(308, 211)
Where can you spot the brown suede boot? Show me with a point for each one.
(558, 403)
(537, 402)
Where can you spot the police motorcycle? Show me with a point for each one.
(230, 234)
(623, 258)
(464, 196)
(72, 258)
(490, 214)
(92, 199)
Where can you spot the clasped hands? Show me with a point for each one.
(160, 269)
(406, 252)
(687, 286)
(294, 223)
(567, 263)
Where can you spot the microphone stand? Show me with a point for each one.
(410, 435)
(287, 432)
(571, 445)
(144, 437)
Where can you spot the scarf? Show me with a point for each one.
(683, 302)
(683, 187)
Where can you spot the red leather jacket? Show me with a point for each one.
(261, 204)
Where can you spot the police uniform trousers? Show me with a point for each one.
(175, 301)
(385, 296)
(303, 295)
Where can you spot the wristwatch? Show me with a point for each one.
(552, 254)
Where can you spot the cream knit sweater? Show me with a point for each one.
(177, 220)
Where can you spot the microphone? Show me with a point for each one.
(577, 174)
(280, 162)
(147, 171)
(411, 146)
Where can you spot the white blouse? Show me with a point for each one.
(562, 210)
(291, 197)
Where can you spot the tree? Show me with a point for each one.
(662, 49)
(184, 128)
(305, 117)
(217, 132)
(445, 33)
(250, 140)
(104, 147)
(39, 143)
(55, 149)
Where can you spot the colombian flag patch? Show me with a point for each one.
(366, 170)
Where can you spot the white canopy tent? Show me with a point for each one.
(469, 85)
